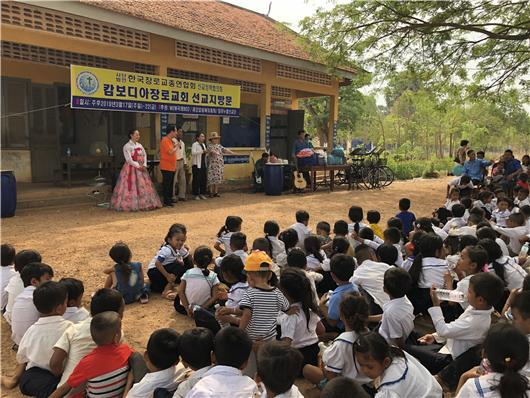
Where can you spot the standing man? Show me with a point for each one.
(168, 163)
(180, 175)
(299, 144)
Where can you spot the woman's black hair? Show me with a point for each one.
(356, 215)
(295, 283)
(232, 224)
(375, 345)
(290, 238)
(425, 224)
(339, 245)
(428, 245)
(465, 241)
(355, 310)
(506, 349)
(494, 253)
(271, 228)
(203, 256)
(121, 255)
(312, 246)
(175, 229)
(233, 265)
(197, 135)
(131, 133)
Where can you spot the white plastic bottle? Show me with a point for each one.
(524, 250)
(223, 324)
(450, 295)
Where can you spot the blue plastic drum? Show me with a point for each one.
(273, 179)
(9, 193)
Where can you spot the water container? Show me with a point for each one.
(9, 193)
(273, 178)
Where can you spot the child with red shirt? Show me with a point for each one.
(106, 369)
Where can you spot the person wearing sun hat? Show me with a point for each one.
(216, 163)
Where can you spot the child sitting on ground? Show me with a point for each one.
(515, 230)
(506, 268)
(289, 237)
(125, 276)
(500, 215)
(76, 342)
(35, 348)
(222, 244)
(233, 274)
(452, 199)
(356, 216)
(232, 348)
(238, 245)
(522, 198)
(106, 368)
(407, 218)
(343, 387)
(373, 217)
(463, 336)
(520, 309)
(457, 221)
(323, 231)
(7, 272)
(300, 330)
(315, 255)
(342, 267)
(75, 312)
(277, 366)
(298, 259)
(25, 313)
(195, 347)
(199, 286)
(15, 285)
(337, 359)
(171, 262)
(271, 230)
(394, 372)
(506, 350)
(301, 227)
(340, 230)
(161, 357)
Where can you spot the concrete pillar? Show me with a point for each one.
(265, 113)
(333, 118)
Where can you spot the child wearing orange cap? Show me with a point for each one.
(260, 306)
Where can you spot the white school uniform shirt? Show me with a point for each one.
(293, 392)
(185, 387)
(514, 234)
(313, 263)
(167, 255)
(455, 222)
(224, 381)
(297, 329)
(455, 182)
(224, 239)
(463, 286)
(450, 203)
(440, 232)
(398, 319)
(503, 246)
(24, 314)
(167, 378)
(465, 332)
(76, 314)
(514, 274)
(351, 226)
(369, 275)
(6, 273)
(278, 248)
(199, 287)
(13, 289)
(432, 272)
(235, 294)
(36, 347)
(407, 377)
(240, 253)
(484, 386)
(196, 154)
(466, 215)
(501, 217)
(407, 263)
(338, 358)
(303, 232)
(521, 203)
(314, 278)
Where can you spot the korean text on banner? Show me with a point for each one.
(106, 89)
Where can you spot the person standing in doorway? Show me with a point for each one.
(168, 163)
(198, 166)
(180, 174)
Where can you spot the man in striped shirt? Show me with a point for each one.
(104, 372)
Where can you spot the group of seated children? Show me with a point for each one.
(338, 310)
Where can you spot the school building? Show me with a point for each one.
(206, 41)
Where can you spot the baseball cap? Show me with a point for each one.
(258, 261)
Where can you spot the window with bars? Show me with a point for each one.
(45, 55)
(182, 74)
(38, 18)
(214, 56)
(290, 72)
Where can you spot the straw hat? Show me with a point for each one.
(214, 136)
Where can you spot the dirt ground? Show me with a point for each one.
(75, 240)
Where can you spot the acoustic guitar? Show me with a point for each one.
(299, 180)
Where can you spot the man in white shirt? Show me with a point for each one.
(25, 313)
(301, 227)
(179, 183)
(369, 275)
(231, 353)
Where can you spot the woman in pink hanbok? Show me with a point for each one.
(134, 190)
